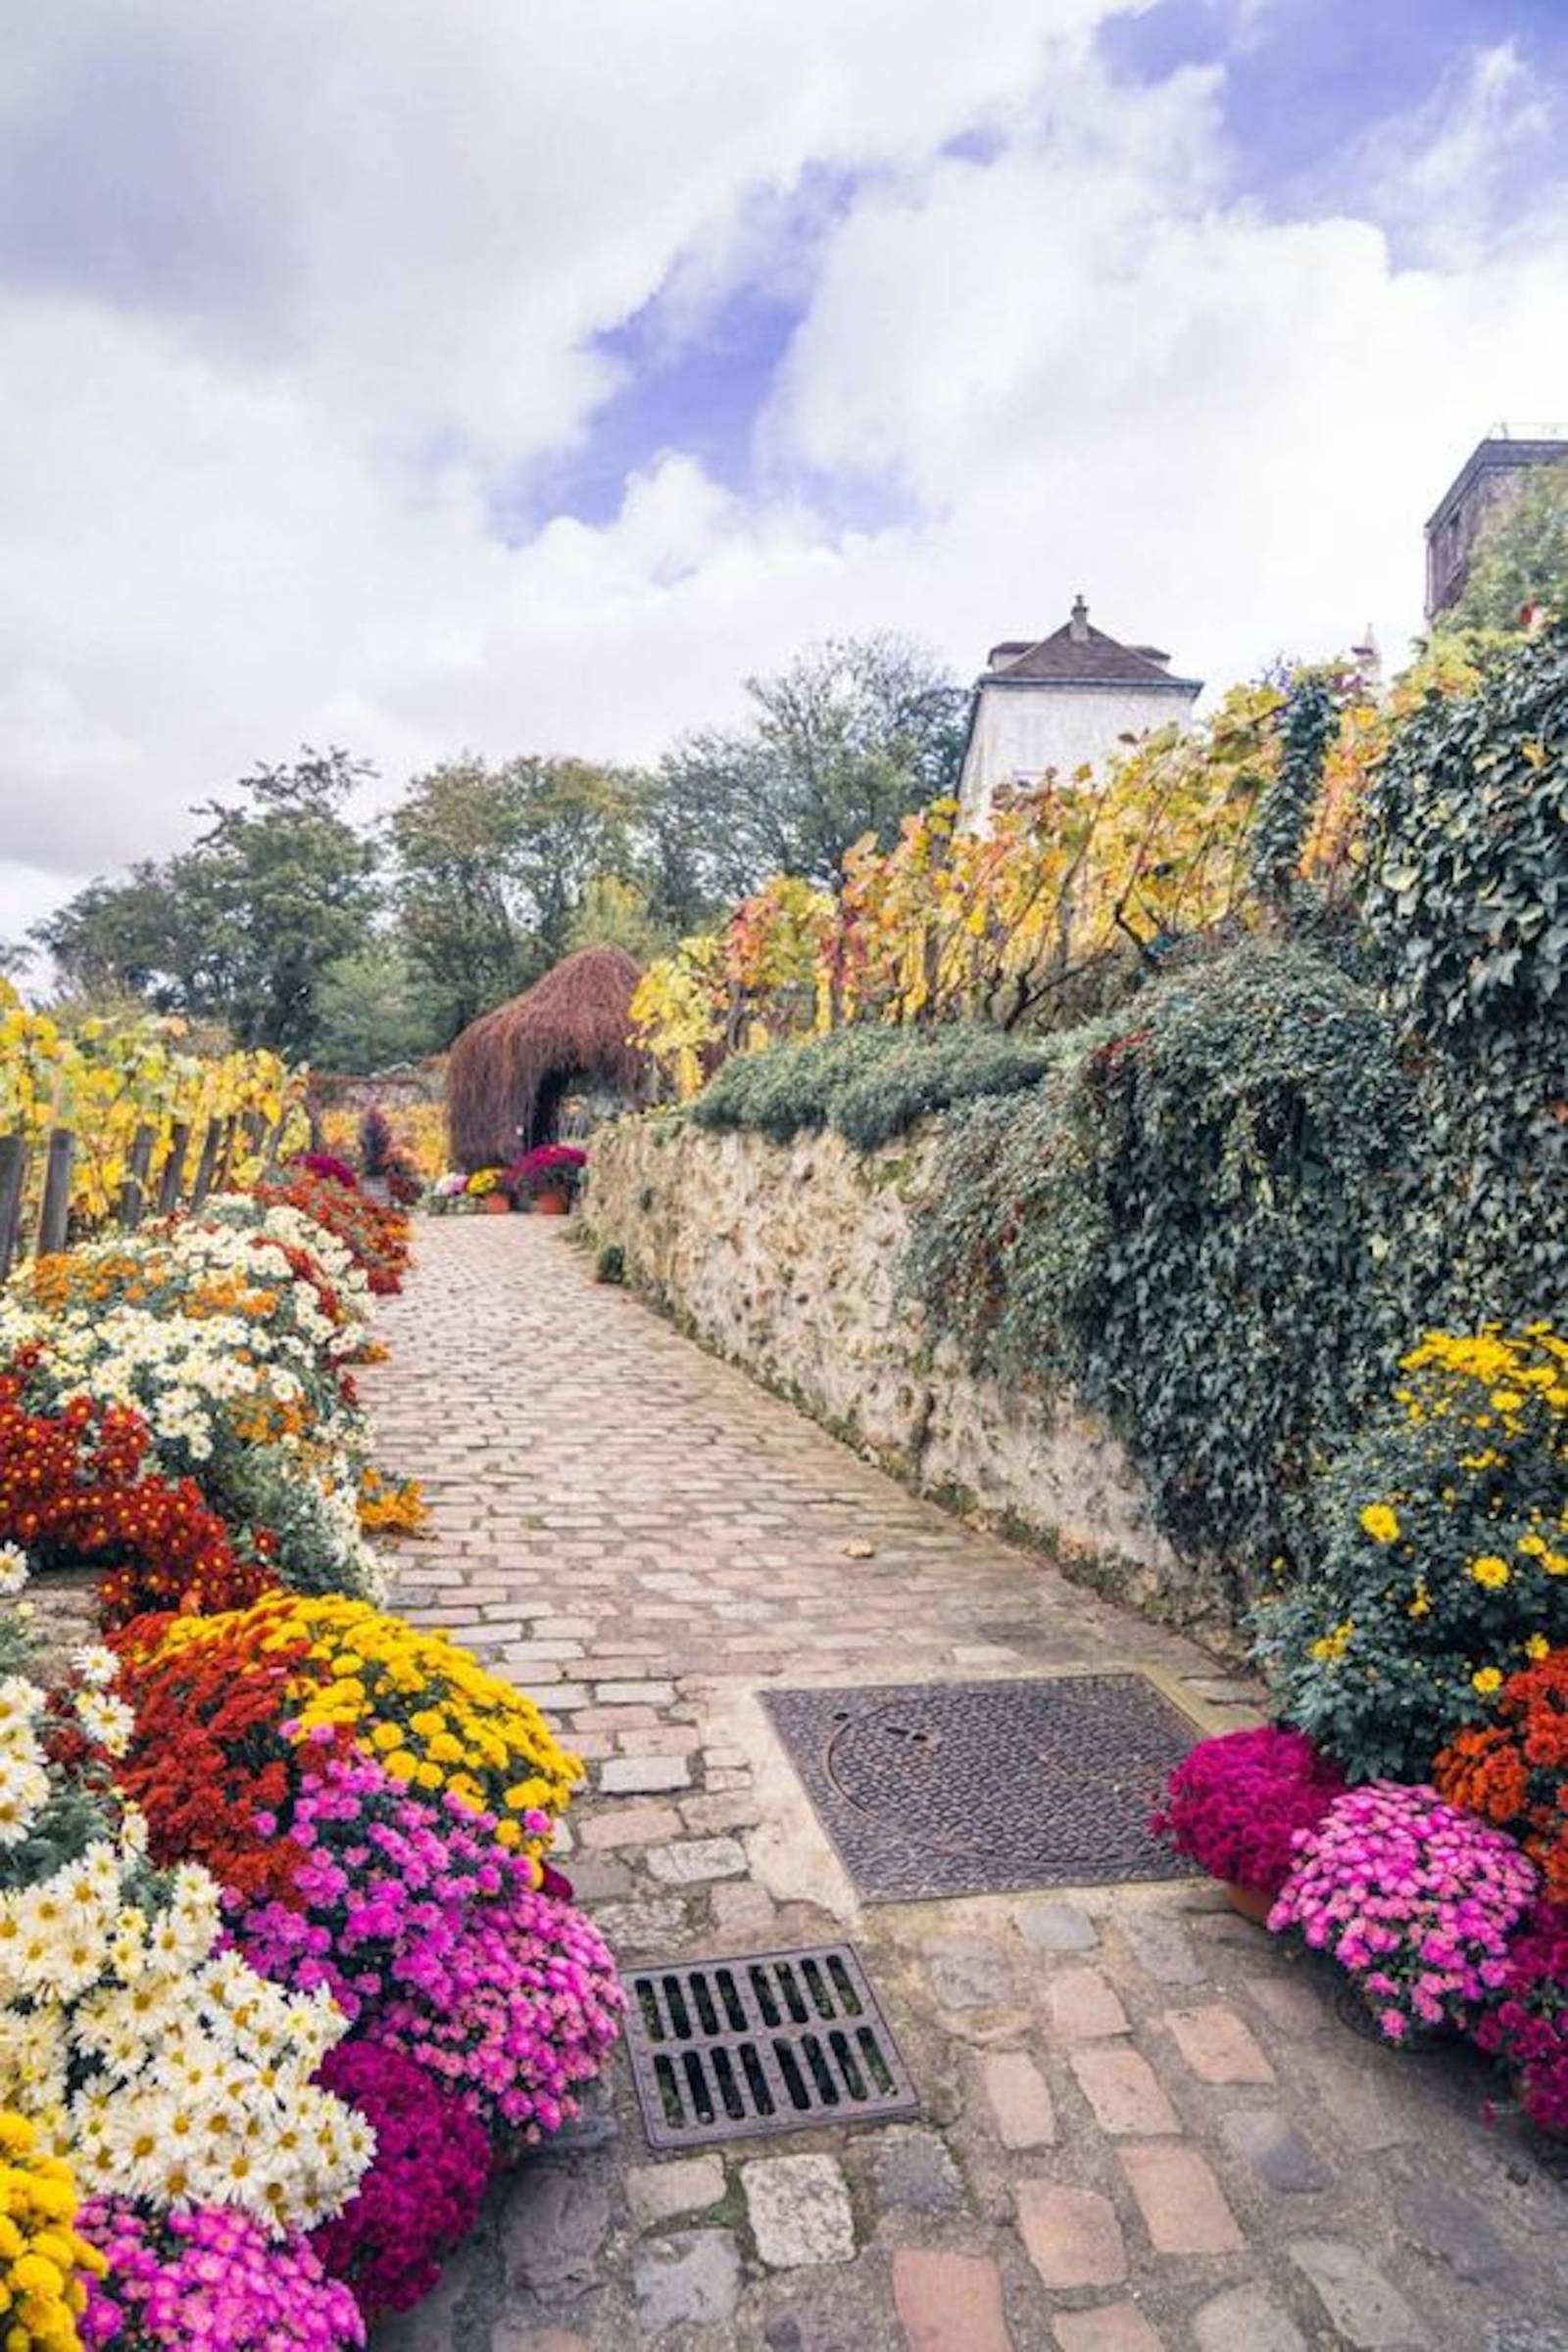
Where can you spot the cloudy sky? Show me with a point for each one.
(515, 374)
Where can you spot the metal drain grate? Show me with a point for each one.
(770, 2041)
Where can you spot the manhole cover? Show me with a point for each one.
(772, 2042)
(940, 1788)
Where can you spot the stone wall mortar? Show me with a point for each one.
(785, 1259)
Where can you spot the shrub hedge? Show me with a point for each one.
(867, 1083)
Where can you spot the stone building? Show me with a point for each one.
(1063, 703)
(1495, 469)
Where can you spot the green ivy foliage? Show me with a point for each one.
(1187, 1224)
(868, 1083)
(1307, 724)
(1466, 898)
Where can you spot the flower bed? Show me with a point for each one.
(283, 1970)
(1427, 1663)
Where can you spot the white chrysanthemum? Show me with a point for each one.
(14, 1570)
(95, 1665)
(107, 1721)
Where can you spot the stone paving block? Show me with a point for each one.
(642, 1776)
(1123, 2090)
(1019, 2101)
(692, 2280)
(949, 2302)
(799, 2209)
(1275, 2149)
(1114, 2328)
(1084, 2006)
(1296, 2003)
(634, 1694)
(696, 1860)
(740, 1907)
(1072, 2236)
(553, 2225)
(1218, 2046)
(970, 1974)
(1246, 2319)
(642, 1927)
(658, 2192)
(1369, 2312)
(1161, 1949)
(1055, 1927)
(1364, 2109)
(513, 2335)
(1451, 2225)
(913, 2170)
(630, 1825)
(708, 1813)
(1183, 2205)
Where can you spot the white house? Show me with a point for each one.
(1063, 704)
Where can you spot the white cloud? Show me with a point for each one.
(284, 294)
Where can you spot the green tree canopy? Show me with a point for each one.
(241, 926)
(846, 741)
(1520, 555)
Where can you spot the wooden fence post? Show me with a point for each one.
(207, 1162)
(226, 1155)
(13, 1182)
(56, 1213)
(134, 1192)
(173, 1173)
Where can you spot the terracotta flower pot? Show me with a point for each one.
(1249, 1903)
(552, 1204)
(495, 1204)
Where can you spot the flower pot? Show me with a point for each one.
(495, 1204)
(552, 1204)
(1249, 1902)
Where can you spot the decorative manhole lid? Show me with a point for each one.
(937, 1789)
(769, 2041)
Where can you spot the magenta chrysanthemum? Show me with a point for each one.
(1415, 1900)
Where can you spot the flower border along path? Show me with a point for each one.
(284, 1978)
(1143, 2123)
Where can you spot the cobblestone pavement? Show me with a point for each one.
(1143, 2125)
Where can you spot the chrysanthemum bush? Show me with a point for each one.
(1444, 1567)
(162, 2066)
(47, 2265)
(77, 1484)
(1235, 1802)
(210, 2279)
(1513, 1771)
(1414, 1899)
(224, 1340)
(431, 1936)
(436, 1719)
(421, 2193)
(1526, 2024)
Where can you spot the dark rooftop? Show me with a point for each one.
(1079, 655)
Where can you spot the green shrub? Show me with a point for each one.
(1444, 1566)
(869, 1082)
(1467, 896)
(1186, 1222)
(611, 1263)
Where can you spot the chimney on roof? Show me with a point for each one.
(1078, 626)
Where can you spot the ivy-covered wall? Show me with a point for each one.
(787, 1258)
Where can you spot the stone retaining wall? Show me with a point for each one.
(785, 1259)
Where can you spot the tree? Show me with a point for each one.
(241, 926)
(853, 735)
(1520, 555)
(612, 914)
(373, 1011)
(454, 841)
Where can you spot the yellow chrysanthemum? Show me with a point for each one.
(1490, 1571)
(1487, 1679)
(1381, 1522)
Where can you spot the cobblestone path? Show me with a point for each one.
(1143, 2125)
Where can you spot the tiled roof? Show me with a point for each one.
(1083, 657)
